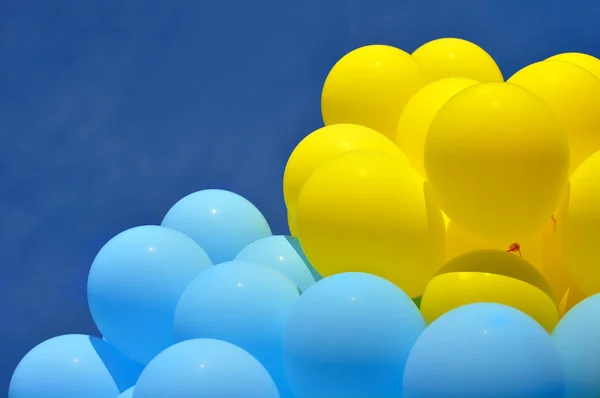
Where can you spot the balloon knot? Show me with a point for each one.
(515, 247)
(553, 218)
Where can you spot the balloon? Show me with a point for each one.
(460, 241)
(367, 211)
(587, 62)
(205, 368)
(553, 266)
(284, 254)
(244, 304)
(73, 366)
(349, 336)
(572, 297)
(323, 145)
(484, 350)
(577, 338)
(450, 57)
(370, 86)
(127, 394)
(419, 112)
(507, 181)
(134, 285)
(222, 222)
(490, 276)
(579, 226)
(574, 95)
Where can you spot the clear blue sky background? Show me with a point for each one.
(110, 111)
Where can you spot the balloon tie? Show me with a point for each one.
(515, 247)
(553, 218)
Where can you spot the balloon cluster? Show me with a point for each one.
(446, 235)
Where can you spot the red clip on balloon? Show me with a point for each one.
(515, 247)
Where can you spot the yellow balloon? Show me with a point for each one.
(460, 241)
(497, 159)
(579, 226)
(366, 211)
(490, 276)
(574, 94)
(553, 267)
(324, 144)
(587, 62)
(451, 57)
(370, 86)
(419, 112)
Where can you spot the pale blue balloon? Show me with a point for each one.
(241, 303)
(222, 222)
(127, 394)
(484, 350)
(349, 336)
(208, 368)
(135, 283)
(73, 366)
(284, 254)
(577, 337)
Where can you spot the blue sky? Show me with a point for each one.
(111, 111)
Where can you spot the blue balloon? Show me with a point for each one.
(222, 222)
(135, 283)
(241, 303)
(484, 350)
(205, 368)
(577, 337)
(127, 394)
(284, 254)
(349, 336)
(73, 366)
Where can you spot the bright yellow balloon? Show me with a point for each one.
(460, 241)
(324, 144)
(419, 112)
(366, 211)
(490, 276)
(579, 226)
(553, 267)
(497, 159)
(451, 57)
(574, 94)
(587, 62)
(370, 86)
